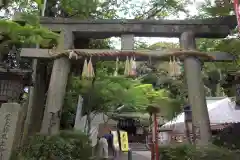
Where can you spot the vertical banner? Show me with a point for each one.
(124, 141)
(237, 12)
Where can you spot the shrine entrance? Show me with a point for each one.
(137, 130)
(185, 30)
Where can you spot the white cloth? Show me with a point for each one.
(103, 148)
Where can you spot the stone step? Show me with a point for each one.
(109, 158)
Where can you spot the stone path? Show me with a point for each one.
(138, 155)
(139, 152)
(141, 155)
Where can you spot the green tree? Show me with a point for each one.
(107, 93)
(214, 9)
(14, 33)
(215, 74)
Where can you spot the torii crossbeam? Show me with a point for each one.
(203, 28)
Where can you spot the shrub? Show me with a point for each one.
(65, 146)
(190, 152)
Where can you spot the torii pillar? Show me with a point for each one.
(196, 93)
(57, 88)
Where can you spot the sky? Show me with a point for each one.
(192, 10)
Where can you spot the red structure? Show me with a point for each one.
(156, 136)
(153, 111)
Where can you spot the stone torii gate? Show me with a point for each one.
(186, 30)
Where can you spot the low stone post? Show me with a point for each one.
(130, 154)
(10, 114)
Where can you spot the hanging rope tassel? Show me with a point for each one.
(178, 69)
(91, 73)
(130, 66)
(133, 67)
(85, 69)
(116, 69)
(174, 66)
(170, 71)
(126, 70)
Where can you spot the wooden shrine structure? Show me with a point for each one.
(73, 29)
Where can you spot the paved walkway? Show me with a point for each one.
(139, 152)
(138, 155)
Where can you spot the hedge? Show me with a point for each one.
(190, 152)
(68, 145)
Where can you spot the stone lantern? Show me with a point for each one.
(233, 82)
(12, 78)
(188, 121)
(188, 113)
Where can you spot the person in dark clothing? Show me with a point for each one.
(109, 138)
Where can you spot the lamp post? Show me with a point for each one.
(188, 123)
(233, 82)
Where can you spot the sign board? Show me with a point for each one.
(124, 141)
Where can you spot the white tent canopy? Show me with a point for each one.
(220, 112)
